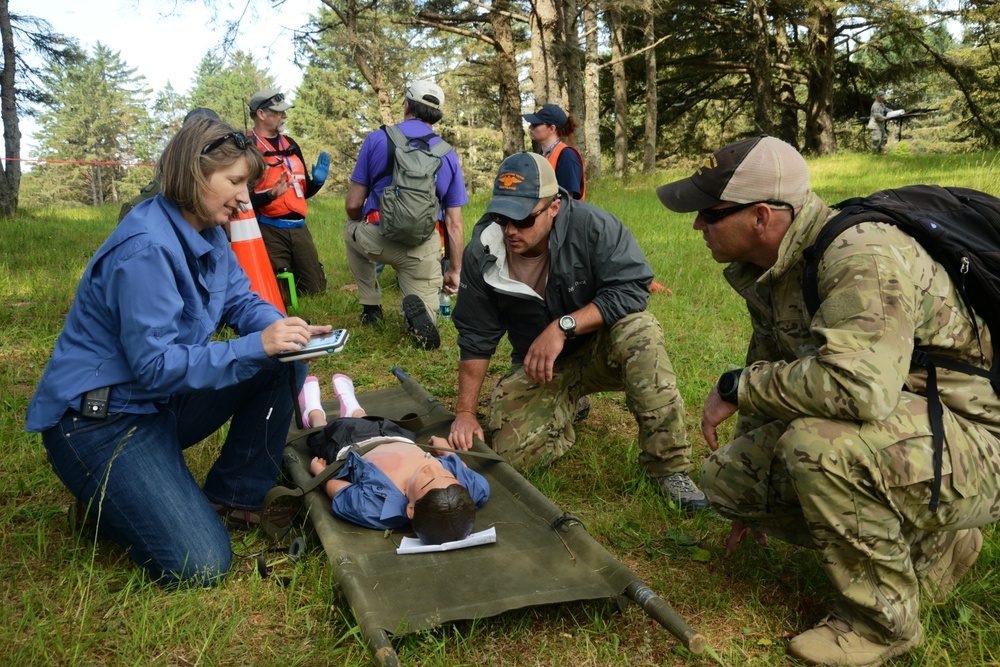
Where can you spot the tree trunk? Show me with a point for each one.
(572, 61)
(760, 68)
(819, 137)
(649, 139)
(788, 126)
(620, 91)
(592, 120)
(10, 169)
(510, 91)
(545, 37)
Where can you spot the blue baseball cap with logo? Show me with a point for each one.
(522, 181)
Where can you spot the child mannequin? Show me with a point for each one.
(395, 483)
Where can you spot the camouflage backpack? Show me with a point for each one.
(408, 208)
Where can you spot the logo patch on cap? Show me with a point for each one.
(509, 180)
(710, 163)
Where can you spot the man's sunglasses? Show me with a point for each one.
(714, 215)
(238, 138)
(524, 223)
(273, 99)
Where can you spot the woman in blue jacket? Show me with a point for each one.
(137, 376)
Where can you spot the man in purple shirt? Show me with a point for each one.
(417, 268)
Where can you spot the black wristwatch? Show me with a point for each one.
(729, 386)
(568, 326)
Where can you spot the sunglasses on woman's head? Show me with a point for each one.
(523, 223)
(238, 138)
(714, 215)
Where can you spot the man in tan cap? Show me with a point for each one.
(833, 448)
(568, 285)
(279, 198)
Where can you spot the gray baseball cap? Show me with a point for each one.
(271, 99)
(426, 92)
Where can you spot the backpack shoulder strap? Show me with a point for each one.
(396, 136)
(848, 217)
(441, 148)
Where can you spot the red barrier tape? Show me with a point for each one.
(121, 164)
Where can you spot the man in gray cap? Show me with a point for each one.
(417, 264)
(833, 448)
(876, 122)
(568, 284)
(279, 198)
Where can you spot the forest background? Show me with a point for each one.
(652, 83)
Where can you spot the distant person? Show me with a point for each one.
(152, 188)
(877, 122)
(395, 483)
(568, 285)
(833, 447)
(279, 198)
(552, 130)
(137, 375)
(418, 268)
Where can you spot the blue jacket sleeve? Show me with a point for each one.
(165, 336)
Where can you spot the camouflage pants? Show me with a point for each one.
(879, 138)
(859, 493)
(533, 424)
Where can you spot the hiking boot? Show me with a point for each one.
(419, 324)
(280, 517)
(582, 409)
(940, 579)
(834, 642)
(371, 316)
(679, 488)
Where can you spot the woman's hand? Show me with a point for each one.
(289, 335)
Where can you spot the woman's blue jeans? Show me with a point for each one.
(130, 470)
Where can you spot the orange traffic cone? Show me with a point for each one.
(247, 243)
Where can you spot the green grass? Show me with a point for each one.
(77, 600)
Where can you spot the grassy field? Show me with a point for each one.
(70, 599)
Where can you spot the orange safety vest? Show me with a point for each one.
(280, 162)
(554, 158)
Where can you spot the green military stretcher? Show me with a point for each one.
(553, 556)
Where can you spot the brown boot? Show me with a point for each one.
(835, 642)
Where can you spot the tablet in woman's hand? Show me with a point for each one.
(320, 345)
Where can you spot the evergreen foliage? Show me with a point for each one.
(96, 115)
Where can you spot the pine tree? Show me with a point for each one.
(95, 119)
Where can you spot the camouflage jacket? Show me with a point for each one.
(881, 295)
(876, 120)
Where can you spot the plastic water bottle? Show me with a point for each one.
(444, 309)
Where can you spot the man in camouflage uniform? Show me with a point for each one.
(877, 124)
(832, 448)
(568, 284)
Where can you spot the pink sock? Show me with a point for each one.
(343, 387)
